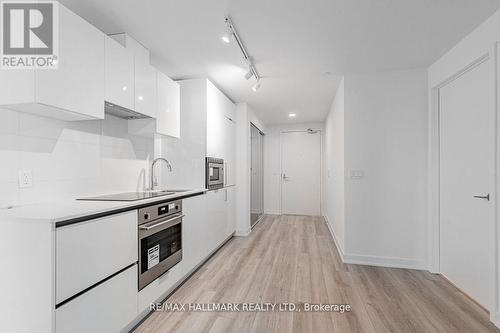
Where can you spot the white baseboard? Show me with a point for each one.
(340, 250)
(384, 261)
(369, 260)
(272, 212)
(495, 318)
(242, 233)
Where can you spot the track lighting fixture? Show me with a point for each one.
(248, 75)
(252, 71)
(256, 86)
(226, 38)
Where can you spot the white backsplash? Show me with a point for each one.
(69, 159)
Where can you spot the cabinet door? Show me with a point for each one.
(229, 151)
(168, 112)
(77, 85)
(230, 210)
(215, 121)
(109, 307)
(145, 88)
(218, 217)
(119, 69)
(89, 252)
(160, 288)
(195, 226)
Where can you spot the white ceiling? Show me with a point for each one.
(293, 42)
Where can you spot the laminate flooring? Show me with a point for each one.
(293, 259)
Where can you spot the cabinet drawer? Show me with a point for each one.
(89, 252)
(108, 307)
(158, 289)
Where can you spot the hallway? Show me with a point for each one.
(293, 259)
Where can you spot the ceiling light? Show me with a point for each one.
(256, 86)
(226, 38)
(292, 115)
(248, 75)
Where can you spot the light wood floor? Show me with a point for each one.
(293, 259)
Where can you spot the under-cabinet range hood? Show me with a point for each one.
(121, 112)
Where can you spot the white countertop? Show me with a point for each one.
(60, 211)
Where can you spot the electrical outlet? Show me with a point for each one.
(25, 179)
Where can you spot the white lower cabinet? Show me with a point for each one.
(194, 231)
(230, 209)
(207, 224)
(91, 251)
(107, 308)
(159, 288)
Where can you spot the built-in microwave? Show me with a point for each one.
(214, 173)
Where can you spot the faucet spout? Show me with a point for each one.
(153, 181)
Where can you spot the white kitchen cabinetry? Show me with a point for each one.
(215, 219)
(73, 91)
(167, 115)
(230, 209)
(206, 224)
(158, 289)
(144, 75)
(169, 108)
(229, 147)
(108, 307)
(119, 75)
(195, 227)
(221, 130)
(89, 252)
(145, 88)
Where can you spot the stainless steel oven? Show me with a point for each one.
(214, 173)
(160, 240)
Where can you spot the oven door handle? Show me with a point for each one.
(149, 227)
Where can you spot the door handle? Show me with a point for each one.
(485, 197)
(149, 227)
(285, 177)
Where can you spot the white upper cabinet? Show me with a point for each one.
(145, 88)
(169, 108)
(167, 116)
(119, 75)
(221, 130)
(73, 91)
(144, 75)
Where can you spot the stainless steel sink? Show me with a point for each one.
(134, 196)
(166, 192)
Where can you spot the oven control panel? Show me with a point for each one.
(151, 213)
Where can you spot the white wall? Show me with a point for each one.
(385, 137)
(334, 193)
(244, 116)
(69, 159)
(272, 163)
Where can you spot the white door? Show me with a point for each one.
(300, 173)
(466, 167)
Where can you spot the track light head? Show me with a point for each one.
(248, 75)
(226, 38)
(256, 86)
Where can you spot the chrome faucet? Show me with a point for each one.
(153, 181)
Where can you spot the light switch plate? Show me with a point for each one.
(25, 179)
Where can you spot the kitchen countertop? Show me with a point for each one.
(68, 212)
